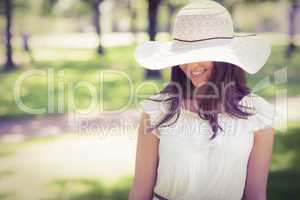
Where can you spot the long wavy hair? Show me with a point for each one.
(226, 87)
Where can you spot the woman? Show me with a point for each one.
(211, 137)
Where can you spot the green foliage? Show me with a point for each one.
(47, 6)
(284, 179)
(84, 65)
(77, 65)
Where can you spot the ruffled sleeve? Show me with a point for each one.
(264, 116)
(154, 109)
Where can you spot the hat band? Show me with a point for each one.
(212, 38)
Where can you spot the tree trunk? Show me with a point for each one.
(171, 11)
(96, 23)
(133, 15)
(9, 64)
(152, 18)
(291, 48)
(152, 25)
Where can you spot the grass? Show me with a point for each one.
(78, 189)
(11, 144)
(75, 71)
(284, 179)
(52, 168)
(89, 189)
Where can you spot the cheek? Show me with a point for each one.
(208, 74)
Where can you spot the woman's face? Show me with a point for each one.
(198, 72)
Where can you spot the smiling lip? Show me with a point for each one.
(198, 72)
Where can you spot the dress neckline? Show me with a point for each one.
(188, 111)
(194, 114)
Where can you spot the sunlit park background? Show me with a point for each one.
(52, 51)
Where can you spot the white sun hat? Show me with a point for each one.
(203, 31)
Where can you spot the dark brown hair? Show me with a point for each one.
(226, 79)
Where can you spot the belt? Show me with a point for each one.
(159, 197)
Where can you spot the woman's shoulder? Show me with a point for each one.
(154, 105)
(263, 111)
(156, 100)
(256, 102)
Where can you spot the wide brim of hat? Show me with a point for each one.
(248, 52)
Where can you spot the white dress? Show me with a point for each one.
(192, 167)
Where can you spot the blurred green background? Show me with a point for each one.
(42, 157)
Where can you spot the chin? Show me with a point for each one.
(198, 83)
